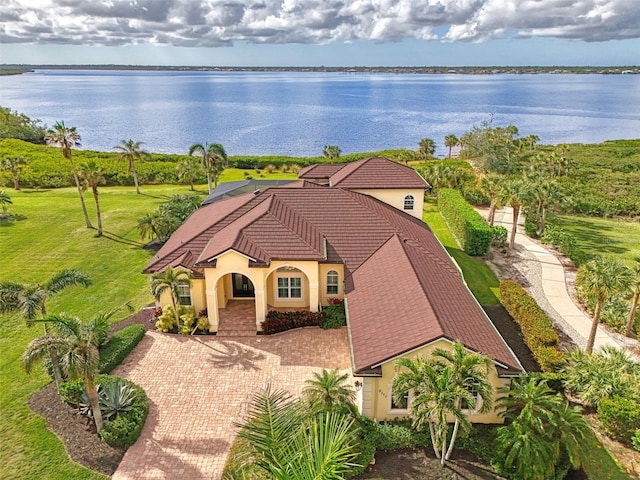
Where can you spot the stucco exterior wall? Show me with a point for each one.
(376, 391)
(395, 198)
(324, 268)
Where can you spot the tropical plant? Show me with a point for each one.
(451, 141)
(13, 165)
(92, 176)
(168, 217)
(30, 300)
(287, 443)
(331, 152)
(5, 201)
(447, 384)
(214, 160)
(132, 152)
(426, 148)
(329, 390)
(599, 279)
(542, 431)
(18, 125)
(170, 280)
(491, 185)
(635, 296)
(115, 398)
(77, 343)
(189, 171)
(514, 194)
(67, 138)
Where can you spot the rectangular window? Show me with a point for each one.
(289, 287)
(184, 295)
(400, 406)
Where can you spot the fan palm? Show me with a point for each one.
(170, 280)
(214, 161)
(77, 342)
(92, 176)
(451, 141)
(329, 390)
(189, 170)
(132, 152)
(13, 166)
(331, 152)
(599, 279)
(67, 138)
(635, 288)
(514, 193)
(426, 148)
(30, 300)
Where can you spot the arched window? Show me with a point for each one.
(408, 202)
(332, 282)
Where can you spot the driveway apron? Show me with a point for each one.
(198, 386)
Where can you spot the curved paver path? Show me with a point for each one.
(199, 386)
(576, 323)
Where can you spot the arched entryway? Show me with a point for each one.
(236, 305)
(242, 286)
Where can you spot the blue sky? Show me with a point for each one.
(321, 32)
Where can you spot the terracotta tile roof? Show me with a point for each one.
(320, 171)
(376, 172)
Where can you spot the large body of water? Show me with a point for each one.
(253, 113)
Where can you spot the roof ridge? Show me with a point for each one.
(358, 164)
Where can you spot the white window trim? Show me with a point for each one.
(409, 199)
(289, 298)
(187, 288)
(398, 411)
(337, 284)
(478, 406)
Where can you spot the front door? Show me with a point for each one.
(242, 286)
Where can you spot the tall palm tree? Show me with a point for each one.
(451, 141)
(13, 166)
(78, 343)
(214, 160)
(541, 429)
(542, 191)
(441, 386)
(331, 152)
(170, 280)
(132, 152)
(514, 193)
(189, 170)
(67, 138)
(599, 279)
(426, 148)
(30, 300)
(328, 390)
(92, 176)
(491, 186)
(635, 288)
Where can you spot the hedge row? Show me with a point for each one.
(471, 230)
(119, 346)
(537, 329)
(277, 322)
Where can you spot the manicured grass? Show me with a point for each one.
(51, 238)
(601, 236)
(234, 174)
(598, 463)
(479, 277)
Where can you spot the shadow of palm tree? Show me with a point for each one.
(122, 239)
(232, 354)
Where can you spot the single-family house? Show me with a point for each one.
(344, 231)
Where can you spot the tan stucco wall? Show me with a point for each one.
(198, 298)
(395, 198)
(324, 268)
(376, 391)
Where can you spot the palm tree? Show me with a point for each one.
(78, 343)
(599, 279)
(451, 141)
(13, 166)
(426, 148)
(635, 288)
(514, 193)
(170, 280)
(67, 138)
(131, 152)
(92, 176)
(542, 192)
(30, 300)
(441, 387)
(328, 390)
(214, 160)
(189, 170)
(541, 430)
(5, 201)
(331, 152)
(287, 444)
(491, 186)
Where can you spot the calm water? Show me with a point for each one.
(298, 113)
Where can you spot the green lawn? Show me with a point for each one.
(479, 277)
(601, 236)
(51, 238)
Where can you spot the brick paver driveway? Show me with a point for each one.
(199, 386)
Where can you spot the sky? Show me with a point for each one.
(320, 32)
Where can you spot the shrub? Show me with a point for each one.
(564, 243)
(471, 230)
(71, 391)
(117, 398)
(619, 417)
(635, 440)
(125, 429)
(334, 316)
(282, 321)
(537, 328)
(499, 236)
(119, 346)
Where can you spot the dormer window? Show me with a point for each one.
(409, 202)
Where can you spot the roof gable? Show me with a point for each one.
(377, 173)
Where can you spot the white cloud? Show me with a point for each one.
(222, 22)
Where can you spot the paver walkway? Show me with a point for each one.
(198, 386)
(555, 288)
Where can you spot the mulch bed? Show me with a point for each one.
(79, 438)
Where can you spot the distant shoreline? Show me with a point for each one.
(442, 70)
